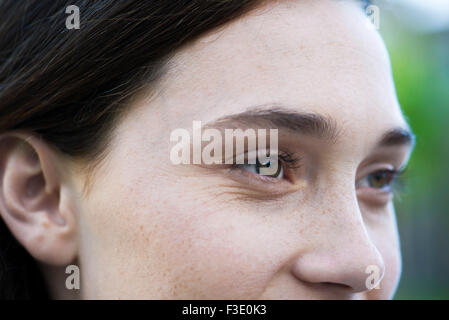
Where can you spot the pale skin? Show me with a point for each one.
(148, 229)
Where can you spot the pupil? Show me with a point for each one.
(263, 165)
(267, 165)
(379, 180)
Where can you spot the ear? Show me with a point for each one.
(35, 200)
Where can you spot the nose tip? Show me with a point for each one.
(356, 270)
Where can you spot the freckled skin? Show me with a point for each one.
(150, 229)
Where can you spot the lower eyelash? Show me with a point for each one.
(288, 161)
(399, 181)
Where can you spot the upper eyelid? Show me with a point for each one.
(289, 162)
(294, 160)
(285, 155)
(397, 175)
(291, 158)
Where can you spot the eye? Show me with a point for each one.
(255, 168)
(380, 180)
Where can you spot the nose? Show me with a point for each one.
(348, 258)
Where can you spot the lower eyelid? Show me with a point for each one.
(261, 183)
(253, 175)
(373, 196)
(287, 174)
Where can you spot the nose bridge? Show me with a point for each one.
(346, 254)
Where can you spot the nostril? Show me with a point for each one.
(337, 285)
(337, 272)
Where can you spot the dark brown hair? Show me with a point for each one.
(69, 86)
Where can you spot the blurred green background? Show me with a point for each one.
(420, 62)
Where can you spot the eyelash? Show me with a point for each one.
(291, 161)
(287, 160)
(398, 181)
(380, 191)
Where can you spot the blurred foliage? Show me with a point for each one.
(420, 64)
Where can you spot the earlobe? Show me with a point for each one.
(35, 200)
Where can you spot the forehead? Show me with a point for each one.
(313, 56)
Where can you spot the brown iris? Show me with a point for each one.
(381, 179)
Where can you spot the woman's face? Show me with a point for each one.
(325, 229)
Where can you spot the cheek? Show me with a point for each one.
(388, 285)
(215, 251)
(164, 240)
(394, 267)
(393, 263)
(387, 242)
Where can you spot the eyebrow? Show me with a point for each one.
(311, 124)
(397, 137)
